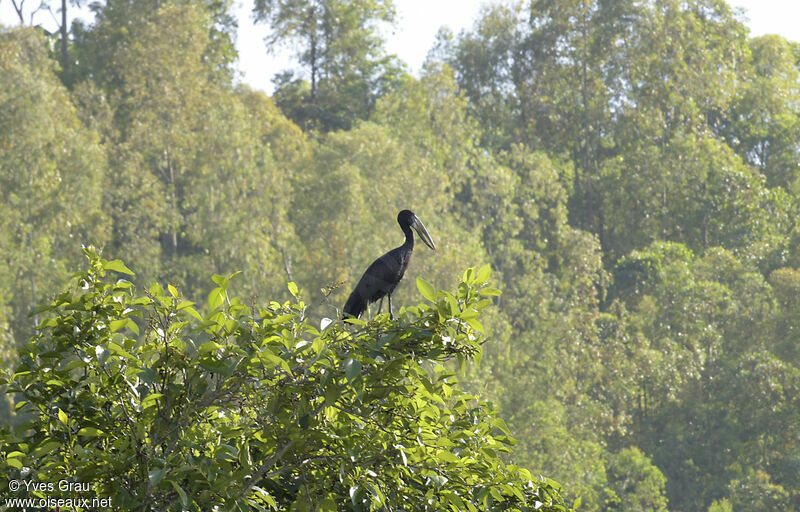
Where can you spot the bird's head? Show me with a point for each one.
(407, 218)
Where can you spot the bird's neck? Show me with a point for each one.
(409, 237)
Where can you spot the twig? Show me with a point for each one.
(287, 264)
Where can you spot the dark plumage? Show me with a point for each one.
(382, 277)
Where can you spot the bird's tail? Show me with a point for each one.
(354, 306)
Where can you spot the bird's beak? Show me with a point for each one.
(419, 227)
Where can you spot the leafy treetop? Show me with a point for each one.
(163, 408)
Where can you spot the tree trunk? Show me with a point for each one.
(33, 281)
(313, 68)
(64, 51)
(18, 8)
(174, 200)
(312, 31)
(588, 196)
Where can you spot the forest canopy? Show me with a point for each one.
(630, 170)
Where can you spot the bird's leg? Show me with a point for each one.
(391, 315)
(369, 313)
(380, 305)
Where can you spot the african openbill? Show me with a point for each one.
(382, 277)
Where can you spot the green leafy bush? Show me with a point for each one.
(159, 407)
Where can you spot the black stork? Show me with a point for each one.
(382, 277)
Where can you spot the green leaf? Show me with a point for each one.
(483, 274)
(226, 452)
(172, 290)
(41, 309)
(469, 313)
(499, 423)
(271, 359)
(147, 375)
(352, 368)
(269, 500)
(354, 496)
(355, 321)
(116, 349)
(89, 432)
(116, 325)
(75, 363)
(62, 417)
(446, 456)
(221, 281)
(132, 326)
(469, 275)
(245, 458)
(332, 393)
(426, 289)
(46, 447)
(117, 266)
(489, 291)
(193, 312)
(438, 481)
(209, 346)
(156, 290)
(476, 325)
(181, 493)
(292, 288)
(215, 298)
(151, 400)
(155, 476)
(183, 305)
(214, 366)
(102, 354)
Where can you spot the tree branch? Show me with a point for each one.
(19, 10)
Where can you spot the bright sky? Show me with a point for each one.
(411, 38)
(418, 22)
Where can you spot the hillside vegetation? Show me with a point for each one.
(630, 170)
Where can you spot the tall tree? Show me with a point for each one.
(117, 25)
(175, 127)
(342, 51)
(249, 409)
(763, 122)
(63, 28)
(592, 81)
(51, 178)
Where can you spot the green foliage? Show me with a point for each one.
(629, 169)
(785, 283)
(701, 196)
(762, 124)
(188, 153)
(160, 406)
(713, 320)
(636, 484)
(362, 177)
(51, 181)
(340, 46)
(756, 492)
(116, 28)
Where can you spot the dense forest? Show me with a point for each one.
(629, 169)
